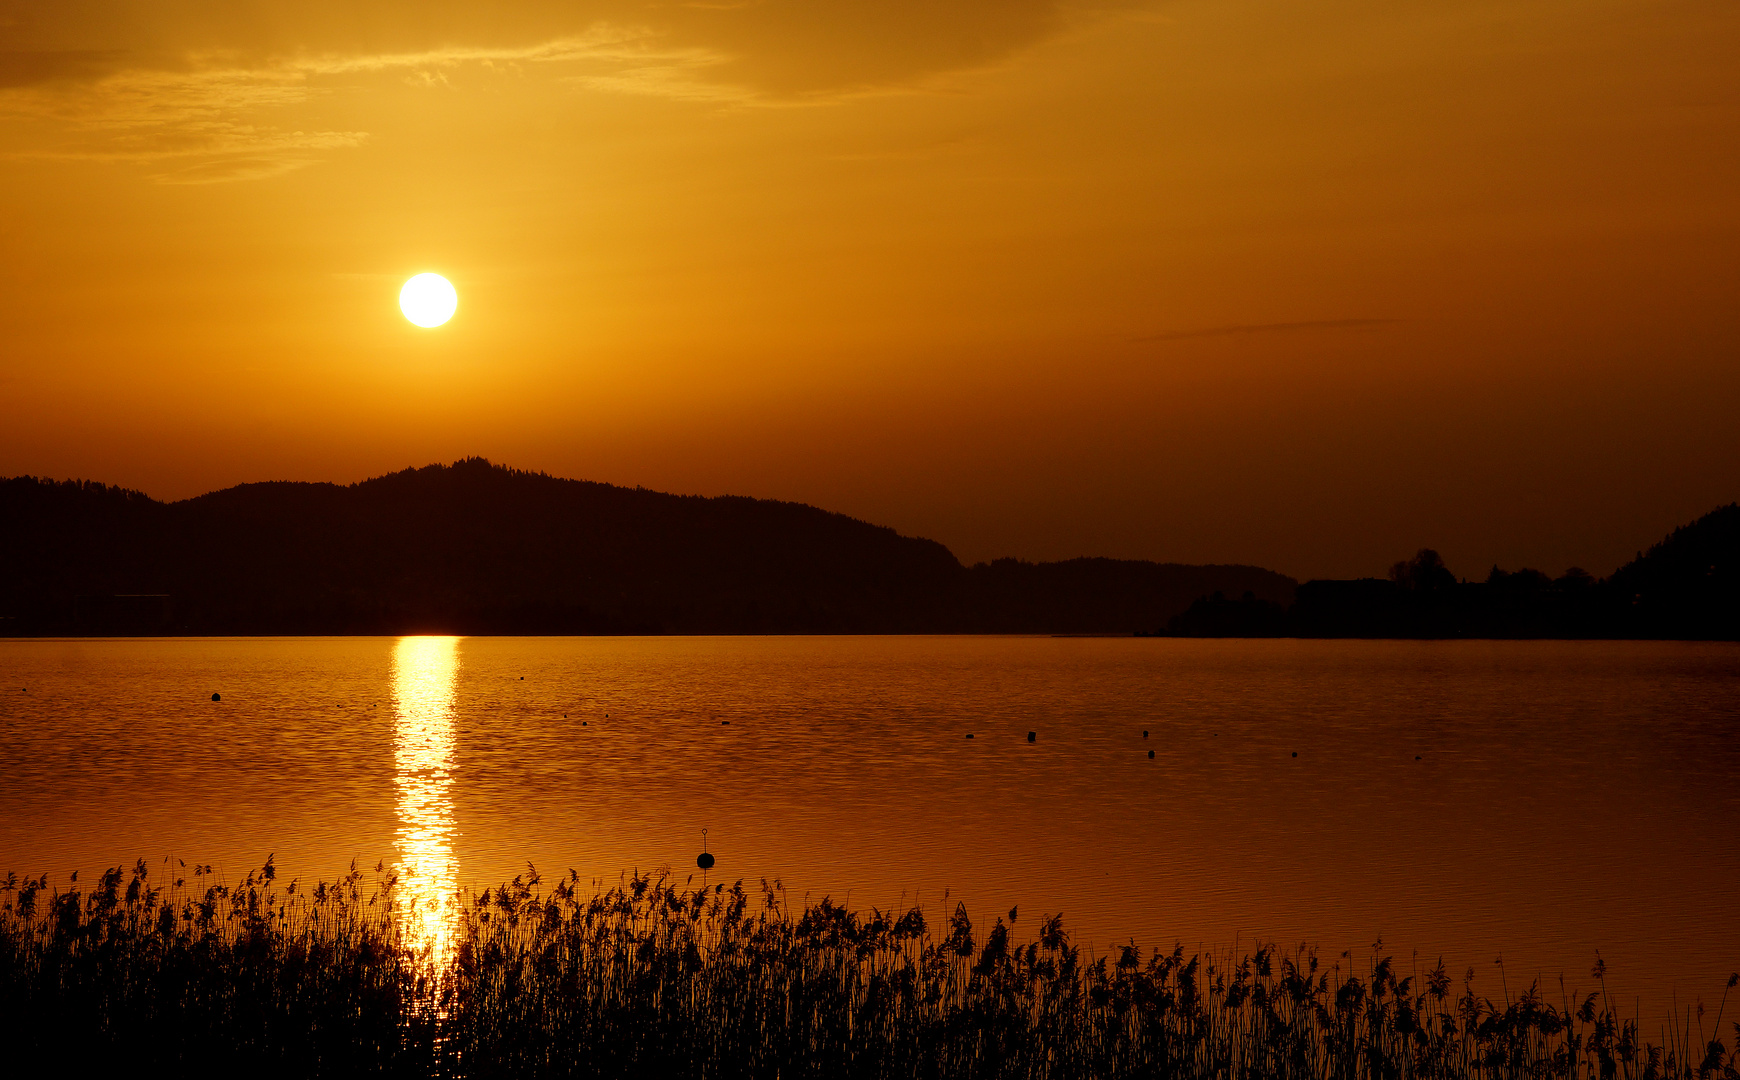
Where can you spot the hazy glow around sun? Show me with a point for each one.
(428, 300)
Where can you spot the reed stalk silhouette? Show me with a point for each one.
(653, 978)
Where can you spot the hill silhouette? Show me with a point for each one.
(477, 548)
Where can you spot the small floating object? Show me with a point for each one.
(1295, 753)
(1144, 733)
(724, 723)
(582, 723)
(1033, 736)
(1150, 755)
(1416, 757)
(704, 860)
(969, 734)
(217, 697)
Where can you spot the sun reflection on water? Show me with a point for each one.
(424, 670)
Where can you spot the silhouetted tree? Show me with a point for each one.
(1575, 580)
(1518, 582)
(1424, 573)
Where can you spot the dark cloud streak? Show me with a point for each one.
(1271, 328)
(35, 68)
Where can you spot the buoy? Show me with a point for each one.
(1416, 757)
(217, 697)
(1144, 733)
(1150, 755)
(1295, 753)
(582, 723)
(704, 860)
(1033, 736)
(969, 734)
(724, 723)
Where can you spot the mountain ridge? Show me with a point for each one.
(475, 547)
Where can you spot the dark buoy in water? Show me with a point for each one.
(217, 697)
(1295, 753)
(724, 723)
(969, 734)
(1033, 736)
(704, 860)
(1144, 733)
(1150, 755)
(582, 723)
(1416, 757)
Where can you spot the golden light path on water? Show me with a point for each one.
(424, 672)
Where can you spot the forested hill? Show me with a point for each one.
(478, 548)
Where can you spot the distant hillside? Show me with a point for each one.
(478, 548)
(1689, 584)
(1686, 587)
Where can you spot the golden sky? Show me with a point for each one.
(1308, 285)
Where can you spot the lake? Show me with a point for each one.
(1535, 801)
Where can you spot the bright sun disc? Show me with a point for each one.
(428, 300)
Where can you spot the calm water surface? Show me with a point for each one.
(1535, 800)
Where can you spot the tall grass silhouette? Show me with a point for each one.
(654, 978)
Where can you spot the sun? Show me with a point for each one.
(428, 300)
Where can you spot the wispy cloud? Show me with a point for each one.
(210, 120)
(602, 43)
(207, 98)
(224, 170)
(213, 112)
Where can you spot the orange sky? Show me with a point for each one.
(1303, 285)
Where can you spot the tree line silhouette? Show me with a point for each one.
(1687, 586)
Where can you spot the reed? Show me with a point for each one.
(654, 978)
